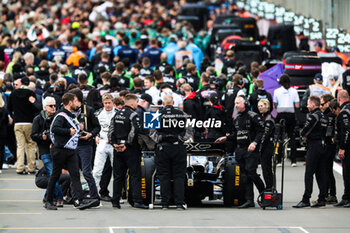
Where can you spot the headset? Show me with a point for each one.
(246, 102)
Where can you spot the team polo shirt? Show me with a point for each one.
(285, 99)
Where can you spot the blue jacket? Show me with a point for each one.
(170, 50)
(196, 53)
(127, 52)
(154, 55)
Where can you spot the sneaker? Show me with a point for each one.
(246, 205)
(318, 204)
(116, 205)
(59, 204)
(140, 205)
(342, 203)
(302, 205)
(96, 204)
(182, 206)
(331, 200)
(68, 201)
(279, 164)
(121, 201)
(22, 173)
(11, 160)
(5, 166)
(50, 206)
(294, 164)
(106, 198)
(85, 203)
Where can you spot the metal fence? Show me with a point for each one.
(333, 13)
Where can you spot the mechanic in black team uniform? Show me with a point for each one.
(171, 154)
(343, 140)
(267, 148)
(123, 135)
(248, 128)
(331, 148)
(64, 134)
(314, 131)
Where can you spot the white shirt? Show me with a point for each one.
(154, 92)
(285, 99)
(178, 101)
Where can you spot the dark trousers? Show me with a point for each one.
(171, 165)
(10, 142)
(331, 150)
(346, 175)
(106, 178)
(85, 156)
(122, 161)
(315, 164)
(266, 164)
(2, 152)
(248, 162)
(65, 183)
(64, 158)
(290, 123)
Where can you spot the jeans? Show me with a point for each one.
(8, 154)
(85, 155)
(47, 161)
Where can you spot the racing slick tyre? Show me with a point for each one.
(297, 53)
(303, 66)
(147, 170)
(301, 80)
(233, 186)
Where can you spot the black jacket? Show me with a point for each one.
(343, 127)
(192, 106)
(269, 129)
(330, 127)
(125, 127)
(169, 133)
(204, 95)
(218, 113)
(4, 120)
(193, 80)
(248, 127)
(42, 123)
(315, 126)
(19, 106)
(230, 96)
(56, 93)
(258, 95)
(87, 116)
(139, 110)
(61, 129)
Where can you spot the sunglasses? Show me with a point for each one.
(52, 106)
(324, 103)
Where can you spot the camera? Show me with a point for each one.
(82, 133)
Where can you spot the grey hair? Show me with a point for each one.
(47, 100)
(28, 56)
